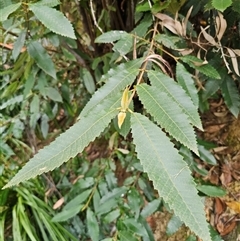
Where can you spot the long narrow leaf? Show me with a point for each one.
(169, 173)
(68, 144)
(177, 94)
(231, 95)
(43, 60)
(185, 79)
(168, 115)
(117, 80)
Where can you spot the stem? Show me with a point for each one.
(145, 63)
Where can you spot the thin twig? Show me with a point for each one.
(94, 17)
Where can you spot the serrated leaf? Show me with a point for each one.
(117, 80)
(198, 64)
(221, 5)
(169, 173)
(168, 41)
(123, 46)
(177, 94)
(92, 224)
(111, 36)
(168, 115)
(185, 79)
(231, 95)
(142, 28)
(173, 225)
(53, 20)
(68, 144)
(5, 12)
(43, 60)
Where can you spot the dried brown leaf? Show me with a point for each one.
(234, 60)
(58, 203)
(185, 21)
(169, 23)
(236, 51)
(221, 26)
(208, 37)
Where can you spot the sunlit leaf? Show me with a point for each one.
(53, 20)
(43, 60)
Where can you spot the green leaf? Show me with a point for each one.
(68, 144)
(53, 94)
(221, 5)
(173, 225)
(231, 95)
(185, 79)
(5, 12)
(169, 173)
(111, 36)
(49, 3)
(206, 155)
(53, 20)
(117, 80)
(150, 208)
(115, 193)
(212, 191)
(135, 227)
(168, 115)
(88, 81)
(210, 88)
(67, 214)
(72, 208)
(43, 60)
(12, 102)
(19, 44)
(107, 206)
(112, 216)
(123, 46)
(34, 105)
(142, 28)
(198, 64)
(177, 94)
(126, 236)
(92, 224)
(44, 125)
(168, 41)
